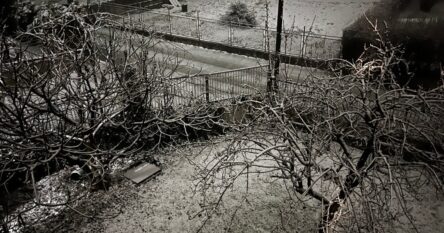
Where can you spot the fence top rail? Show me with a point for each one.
(219, 72)
(140, 2)
(236, 70)
(271, 29)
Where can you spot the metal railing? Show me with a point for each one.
(297, 43)
(219, 86)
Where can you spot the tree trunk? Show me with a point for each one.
(351, 181)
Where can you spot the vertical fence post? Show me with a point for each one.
(303, 43)
(142, 21)
(207, 88)
(269, 78)
(140, 18)
(324, 49)
(230, 34)
(265, 40)
(286, 49)
(153, 24)
(139, 12)
(170, 26)
(130, 21)
(310, 51)
(198, 26)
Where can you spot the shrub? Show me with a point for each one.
(239, 14)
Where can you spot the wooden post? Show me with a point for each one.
(207, 89)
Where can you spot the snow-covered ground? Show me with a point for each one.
(170, 203)
(329, 17)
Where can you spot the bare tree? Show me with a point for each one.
(78, 88)
(355, 142)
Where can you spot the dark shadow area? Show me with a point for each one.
(416, 25)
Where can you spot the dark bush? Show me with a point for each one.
(239, 14)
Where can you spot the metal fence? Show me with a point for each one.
(214, 87)
(297, 43)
